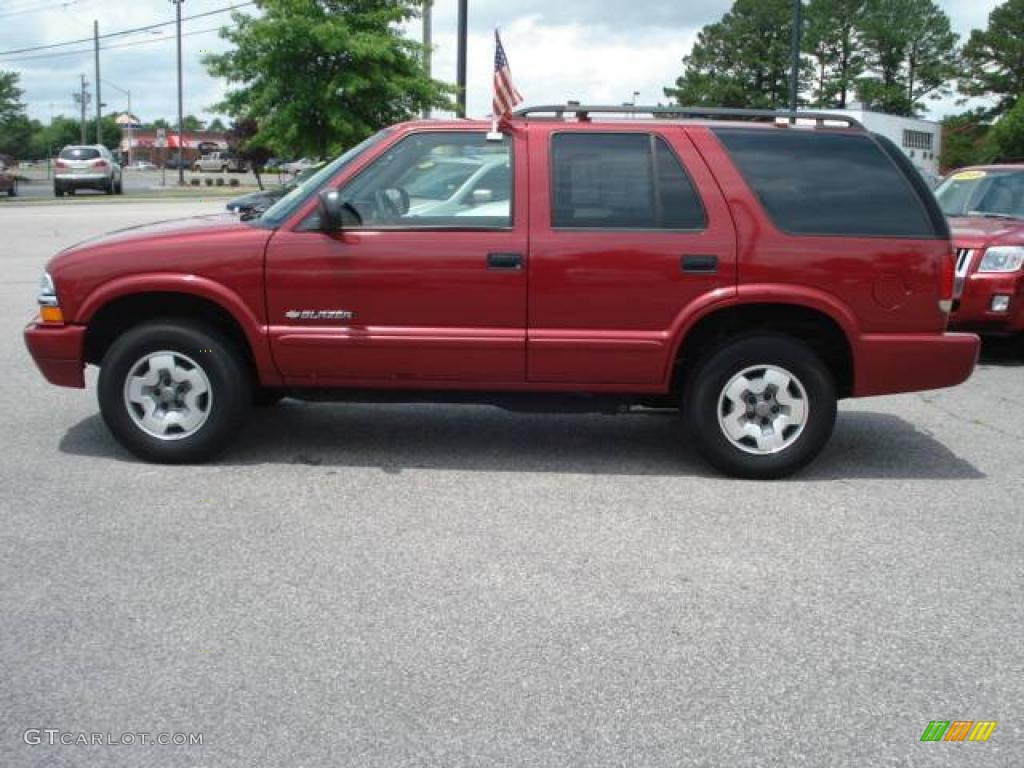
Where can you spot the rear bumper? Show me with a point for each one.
(974, 311)
(892, 363)
(58, 352)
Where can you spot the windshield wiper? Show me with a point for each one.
(993, 215)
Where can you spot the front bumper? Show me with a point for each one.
(58, 352)
(887, 364)
(974, 310)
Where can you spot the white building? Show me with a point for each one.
(921, 140)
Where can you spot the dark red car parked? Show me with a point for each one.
(986, 209)
(749, 268)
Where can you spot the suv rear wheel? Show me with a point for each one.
(760, 407)
(173, 392)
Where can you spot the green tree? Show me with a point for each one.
(911, 54)
(994, 58)
(16, 129)
(190, 123)
(743, 60)
(10, 97)
(323, 74)
(1006, 138)
(964, 141)
(831, 39)
(216, 125)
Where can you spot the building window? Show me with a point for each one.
(917, 140)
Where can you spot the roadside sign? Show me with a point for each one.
(161, 137)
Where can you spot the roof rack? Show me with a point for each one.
(582, 111)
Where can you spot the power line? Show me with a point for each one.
(38, 9)
(126, 31)
(132, 44)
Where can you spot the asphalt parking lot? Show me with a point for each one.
(459, 586)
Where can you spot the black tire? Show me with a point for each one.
(119, 189)
(217, 357)
(13, 191)
(71, 191)
(58, 191)
(703, 403)
(109, 188)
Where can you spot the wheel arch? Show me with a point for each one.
(117, 307)
(820, 321)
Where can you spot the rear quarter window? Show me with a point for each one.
(832, 184)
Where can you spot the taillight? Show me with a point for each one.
(60, 164)
(99, 163)
(947, 276)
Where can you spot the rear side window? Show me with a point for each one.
(79, 153)
(620, 181)
(816, 183)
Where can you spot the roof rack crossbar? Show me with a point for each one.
(721, 113)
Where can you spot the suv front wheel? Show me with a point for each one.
(173, 392)
(760, 407)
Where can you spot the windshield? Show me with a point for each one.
(287, 205)
(998, 193)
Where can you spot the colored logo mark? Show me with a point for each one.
(958, 730)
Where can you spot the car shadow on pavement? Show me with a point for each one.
(1005, 353)
(479, 438)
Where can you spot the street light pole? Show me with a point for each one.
(181, 118)
(99, 101)
(129, 127)
(460, 75)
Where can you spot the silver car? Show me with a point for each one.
(86, 167)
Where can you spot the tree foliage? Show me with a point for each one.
(321, 75)
(910, 53)
(1007, 135)
(892, 54)
(994, 58)
(964, 140)
(832, 39)
(742, 60)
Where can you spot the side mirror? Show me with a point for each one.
(481, 196)
(329, 205)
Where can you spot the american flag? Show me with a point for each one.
(505, 94)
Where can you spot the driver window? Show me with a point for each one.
(443, 180)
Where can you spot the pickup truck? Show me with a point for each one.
(747, 268)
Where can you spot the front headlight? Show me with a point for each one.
(49, 307)
(1003, 258)
(47, 293)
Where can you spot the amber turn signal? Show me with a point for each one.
(51, 315)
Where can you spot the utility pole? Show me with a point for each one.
(181, 118)
(99, 101)
(428, 44)
(794, 74)
(460, 75)
(82, 97)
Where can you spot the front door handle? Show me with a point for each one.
(701, 265)
(505, 261)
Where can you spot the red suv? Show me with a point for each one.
(749, 268)
(986, 209)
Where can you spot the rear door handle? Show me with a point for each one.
(505, 261)
(699, 264)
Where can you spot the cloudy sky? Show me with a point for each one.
(591, 50)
